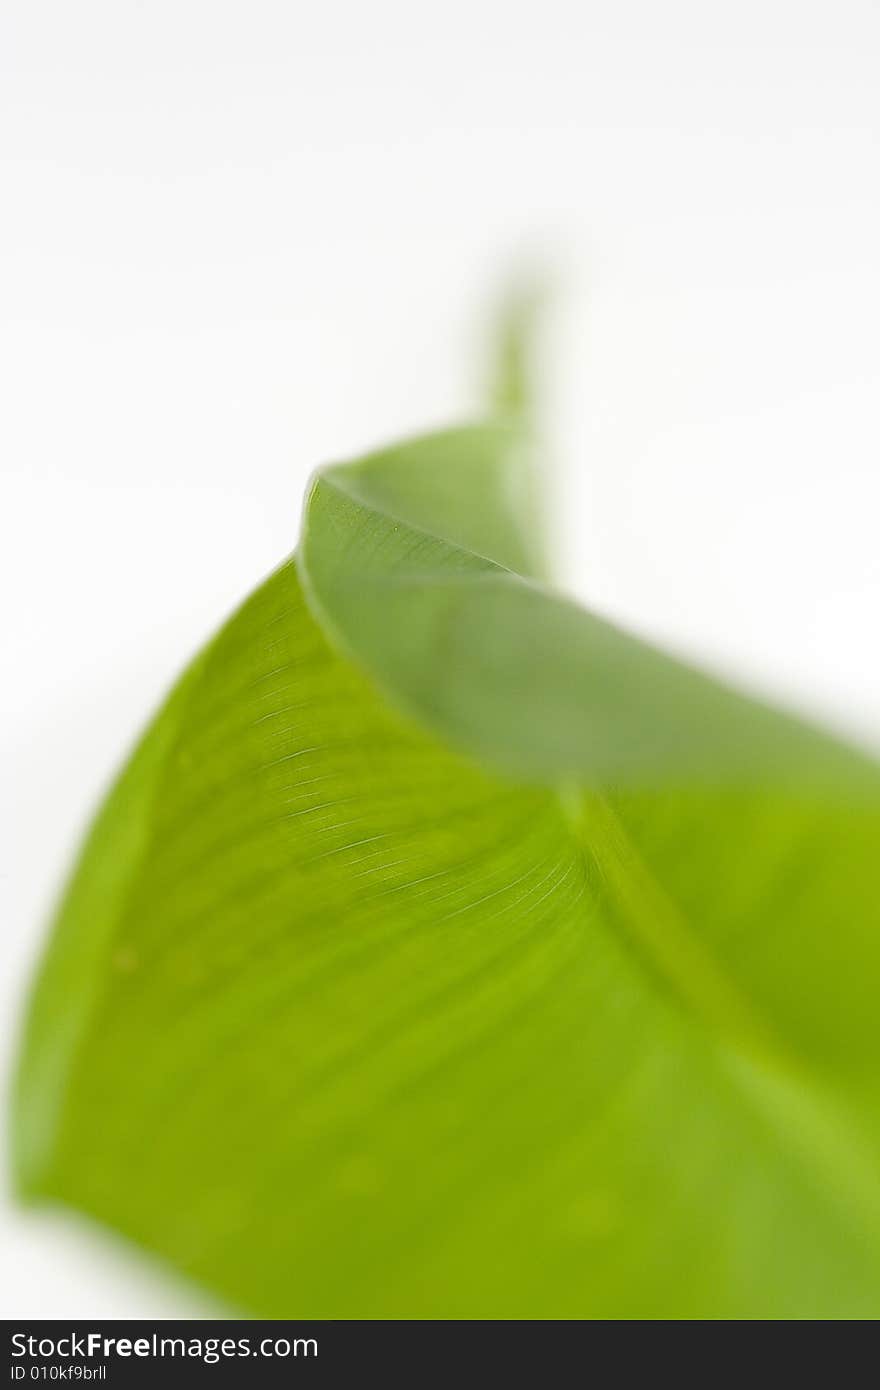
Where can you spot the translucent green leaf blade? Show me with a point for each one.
(425, 964)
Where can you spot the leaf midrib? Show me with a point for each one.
(769, 1075)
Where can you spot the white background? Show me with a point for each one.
(239, 239)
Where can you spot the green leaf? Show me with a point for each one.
(444, 951)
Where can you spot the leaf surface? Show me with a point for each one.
(444, 951)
